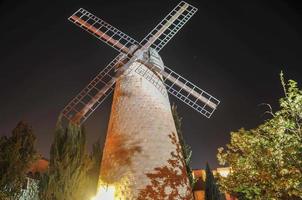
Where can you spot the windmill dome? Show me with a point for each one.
(154, 59)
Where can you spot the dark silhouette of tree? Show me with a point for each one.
(68, 166)
(212, 191)
(94, 171)
(17, 153)
(186, 149)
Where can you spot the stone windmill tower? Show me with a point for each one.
(142, 157)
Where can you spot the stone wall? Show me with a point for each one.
(142, 157)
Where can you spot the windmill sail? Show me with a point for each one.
(184, 90)
(83, 105)
(101, 86)
(190, 94)
(169, 26)
(164, 32)
(102, 30)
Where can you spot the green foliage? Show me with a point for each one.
(266, 162)
(17, 153)
(93, 172)
(69, 164)
(4, 196)
(212, 191)
(186, 149)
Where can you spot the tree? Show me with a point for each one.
(266, 162)
(68, 167)
(186, 149)
(94, 171)
(17, 153)
(212, 191)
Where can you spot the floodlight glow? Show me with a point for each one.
(105, 193)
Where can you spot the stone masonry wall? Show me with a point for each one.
(142, 156)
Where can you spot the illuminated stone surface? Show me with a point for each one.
(142, 156)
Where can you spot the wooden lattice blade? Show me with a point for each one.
(169, 26)
(82, 106)
(190, 94)
(88, 106)
(102, 30)
(78, 110)
(181, 88)
(190, 91)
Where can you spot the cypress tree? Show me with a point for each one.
(212, 191)
(68, 165)
(93, 173)
(186, 149)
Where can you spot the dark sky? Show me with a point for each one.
(232, 49)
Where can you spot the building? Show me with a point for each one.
(200, 175)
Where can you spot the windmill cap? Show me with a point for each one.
(154, 59)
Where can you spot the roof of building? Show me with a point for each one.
(39, 166)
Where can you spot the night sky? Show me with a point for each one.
(232, 49)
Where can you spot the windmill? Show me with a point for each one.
(142, 156)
